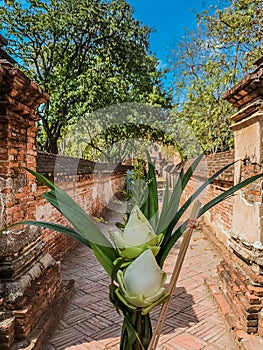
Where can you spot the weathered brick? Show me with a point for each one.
(255, 290)
(252, 299)
(7, 327)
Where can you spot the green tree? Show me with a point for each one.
(120, 131)
(85, 54)
(210, 60)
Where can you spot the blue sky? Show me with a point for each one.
(169, 18)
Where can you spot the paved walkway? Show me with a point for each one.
(193, 322)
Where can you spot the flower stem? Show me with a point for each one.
(136, 331)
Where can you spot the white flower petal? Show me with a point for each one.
(143, 276)
(138, 229)
(119, 241)
(155, 297)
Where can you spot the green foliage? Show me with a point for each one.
(122, 139)
(84, 229)
(121, 131)
(86, 55)
(170, 221)
(238, 31)
(138, 168)
(209, 61)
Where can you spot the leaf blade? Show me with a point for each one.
(58, 228)
(102, 247)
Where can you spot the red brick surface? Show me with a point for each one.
(219, 218)
(30, 279)
(81, 190)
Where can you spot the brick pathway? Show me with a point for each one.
(193, 321)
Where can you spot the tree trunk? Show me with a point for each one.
(51, 145)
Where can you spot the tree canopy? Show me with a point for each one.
(87, 54)
(92, 54)
(128, 130)
(210, 60)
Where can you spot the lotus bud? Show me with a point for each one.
(138, 235)
(142, 283)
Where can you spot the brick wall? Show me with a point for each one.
(240, 280)
(30, 278)
(253, 192)
(218, 220)
(91, 185)
(243, 290)
(19, 98)
(31, 285)
(240, 273)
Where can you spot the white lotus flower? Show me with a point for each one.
(142, 283)
(138, 235)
